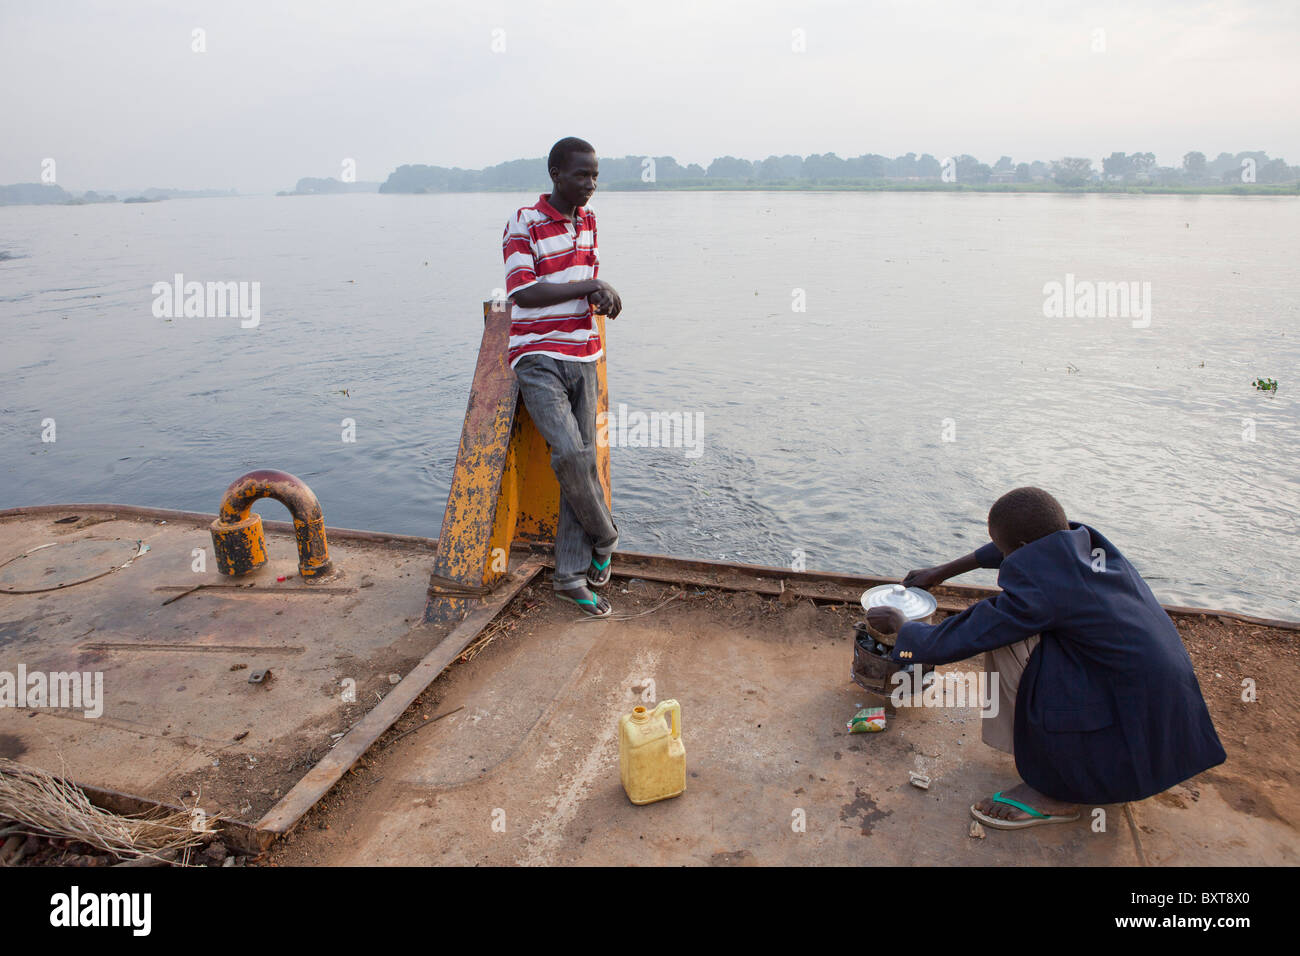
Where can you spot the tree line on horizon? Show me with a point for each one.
(48, 194)
(633, 172)
(789, 171)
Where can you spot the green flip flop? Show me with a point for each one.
(598, 574)
(1036, 817)
(598, 607)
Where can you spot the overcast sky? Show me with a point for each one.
(115, 93)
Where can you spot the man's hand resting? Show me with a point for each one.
(599, 293)
(605, 300)
(925, 578)
(886, 620)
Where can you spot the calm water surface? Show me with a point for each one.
(824, 430)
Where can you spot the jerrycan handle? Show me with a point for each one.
(675, 709)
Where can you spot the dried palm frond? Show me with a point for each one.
(42, 804)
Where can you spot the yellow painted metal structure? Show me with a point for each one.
(503, 489)
(238, 542)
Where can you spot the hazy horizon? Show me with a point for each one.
(136, 189)
(122, 101)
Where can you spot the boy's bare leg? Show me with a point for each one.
(1008, 663)
(999, 732)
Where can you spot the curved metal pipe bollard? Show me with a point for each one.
(237, 538)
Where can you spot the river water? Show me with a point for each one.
(869, 370)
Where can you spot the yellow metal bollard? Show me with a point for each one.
(237, 537)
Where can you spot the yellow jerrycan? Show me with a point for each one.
(651, 756)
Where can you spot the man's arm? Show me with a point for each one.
(541, 294)
(527, 291)
(1019, 611)
(925, 578)
(890, 620)
(598, 292)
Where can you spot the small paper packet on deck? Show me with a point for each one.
(869, 720)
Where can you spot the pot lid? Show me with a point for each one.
(913, 602)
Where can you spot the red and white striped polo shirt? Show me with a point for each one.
(540, 245)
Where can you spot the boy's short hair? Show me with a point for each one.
(1027, 514)
(565, 148)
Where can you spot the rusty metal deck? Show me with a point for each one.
(524, 769)
(182, 725)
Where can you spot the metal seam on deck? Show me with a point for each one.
(326, 772)
(379, 537)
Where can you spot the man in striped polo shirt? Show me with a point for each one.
(551, 265)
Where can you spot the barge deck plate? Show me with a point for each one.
(527, 771)
(522, 769)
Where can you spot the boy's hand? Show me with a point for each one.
(924, 578)
(605, 300)
(886, 620)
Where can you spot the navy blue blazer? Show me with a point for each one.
(1109, 708)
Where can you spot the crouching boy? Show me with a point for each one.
(1099, 703)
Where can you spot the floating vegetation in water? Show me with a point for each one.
(1265, 384)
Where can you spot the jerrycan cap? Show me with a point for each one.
(913, 602)
(639, 713)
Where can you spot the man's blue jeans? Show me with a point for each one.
(561, 399)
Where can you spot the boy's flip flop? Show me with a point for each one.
(598, 607)
(598, 574)
(1036, 817)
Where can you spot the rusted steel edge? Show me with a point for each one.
(743, 578)
(234, 833)
(308, 791)
(768, 572)
(1178, 610)
(199, 517)
(653, 567)
(761, 571)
